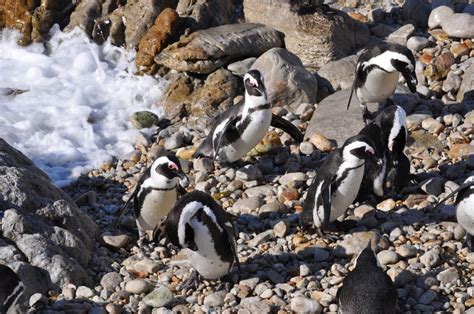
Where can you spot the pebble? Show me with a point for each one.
(215, 299)
(111, 280)
(386, 205)
(427, 297)
(159, 297)
(449, 275)
(321, 142)
(84, 292)
(260, 238)
(248, 173)
(417, 43)
(320, 255)
(305, 305)
(246, 205)
(280, 229)
(138, 286)
(406, 250)
(430, 258)
(174, 141)
(387, 257)
(294, 179)
(117, 241)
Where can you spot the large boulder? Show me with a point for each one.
(206, 50)
(207, 13)
(316, 34)
(339, 74)
(43, 231)
(287, 82)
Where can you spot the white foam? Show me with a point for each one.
(74, 113)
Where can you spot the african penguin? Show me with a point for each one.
(11, 289)
(465, 209)
(238, 129)
(367, 288)
(202, 227)
(337, 182)
(377, 72)
(156, 193)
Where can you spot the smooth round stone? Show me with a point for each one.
(306, 148)
(387, 257)
(138, 286)
(305, 305)
(110, 281)
(460, 25)
(215, 299)
(427, 297)
(159, 297)
(406, 250)
(417, 43)
(438, 15)
(84, 292)
(386, 205)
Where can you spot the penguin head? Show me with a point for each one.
(253, 81)
(404, 62)
(359, 147)
(166, 171)
(366, 257)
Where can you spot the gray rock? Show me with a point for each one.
(467, 82)
(353, 243)
(215, 299)
(84, 292)
(203, 165)
(321, 35)
(254, 305)
(306, 148)
(275, 277)
(159, 297)
(340, 73)
(241, 67)
(251, 282)
(433, 186)
(261, 238)
(430, 258)
(438, 15)
(449, 275)
(248, 173)
(280, 229)
(460, 25)
(293, 179)
(386, 257)
(427, 297)
(207, 13)
(174, 141)
(287, 81)
(247, 205)
(417, 43)
(84, 16)
(117, 241)
(144, 119)
(406, 250)
(305, 305)
(414, 120)
(401, 35)
(320, 255)
(110, 281)
(138, 286)
(377, 15)
(206, 50)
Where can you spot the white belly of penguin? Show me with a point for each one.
(378, 86)
(155, 207)
(465, 214)
(205, 260)
(346, 193)
(252, 135)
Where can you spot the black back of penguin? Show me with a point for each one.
(367, 289)
(223, 234)
(11, 288)
(387, 120)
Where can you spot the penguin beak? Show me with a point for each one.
(183, 179)
(410, 78)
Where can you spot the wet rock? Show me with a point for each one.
(159, 297)
(316, 34)
(288, 82)
(84, 16)
(144, 119)
(205, 51)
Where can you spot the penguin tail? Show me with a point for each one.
(350, 98)
(288, 127)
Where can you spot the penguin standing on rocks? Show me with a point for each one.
(156, 193)
(465, 209)
(367, 288)
(337, 182)
(11, 289)
(238, 129)
(377, 73)
(200, 225)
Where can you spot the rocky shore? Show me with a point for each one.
(307, 57)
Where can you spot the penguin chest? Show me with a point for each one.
(379, 177)
(465, 214)
(206, 260)
(155, 207)
(253, 129)
(378, 86)
(346, 192)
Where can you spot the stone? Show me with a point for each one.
(275, 277)
(449, 275)
(406, 250)
(84, 292)
(145, 265)
(316, 34)
(138, 286)
(293, 179)
(55, 238)
(460, 25)
(174, 141)
(322, 143)
(248, 173)
(353, 243)
(387, 205)
(110, 281)
(460, 150)
(452, 83)
(467, 83)
(438, 15)
(417, 43)
(207, 13)
(247, 205)
(203, 165)
(433, 126)
(254, 305)
(159, 297)
(362, 210)
(261, 238)
(307, 148)
(382, 30)
(144, 119)
(401, 35)
(320, 255)
(206, 50)
(433, 186)
(287, 81)
(305, 305)
(215, 299)
(386, 257)
(280, 229)
(166, 29)
(84, 16)
(427, 297)
(430, 258)
(241, 67)
(339, 73)
(459, 49)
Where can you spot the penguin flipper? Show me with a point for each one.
(350, 98)
(219, 136)
(287, 126)
(122, 210)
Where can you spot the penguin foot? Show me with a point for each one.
(192, 281)
(325, 236)
(224, 285)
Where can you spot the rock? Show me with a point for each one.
(361, 210)
(459, 49)
(293, 179)
(406, 250)
(430, 258)
(241, 67)
(382, 30)
(110, 281)
(307, 148)
(207, 13)
(316, 34)
(116, 242)
(261, 238)
(401, 35)
(280, 229)
(339, 73)
(332, 119)
(322, 143)
(386, 257)
(215, 299)
(417, 43)
(54, 236)
(353, 243)
(416, 12)
(247, 205)
(427, 297)
(386, 205)
(254, 305)
(110, 26)
(305, 305)
(452, 83)
(438, 15)
(460, 25)
(460, 150)
(287, 81)
(144, 119)
(433, 126)
(206, 50)
(248, 173)
(467, 83)
(159, 297)
(433, 186)
(138, 286)
(84, 292)
(174, 141)
(166, 29)
(275, 277)
(449, 275)
(145, 265)
(320, 255)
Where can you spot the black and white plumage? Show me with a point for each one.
(200, 225)
(337, 182)
(367, 288)
(465, 208)
(377, 73)
(238, 129)
(156, 193)
(11, 289)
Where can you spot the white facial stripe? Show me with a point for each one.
(357, 144)
(160, 161)
(399, 121)
(252, 80)
(384, 60)
(470, 179)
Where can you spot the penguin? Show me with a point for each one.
(465, 209)
(238, 129)
(156, 193)
(377, 72)
(337, 182)
(198, 224)
(11, 289)
(367, 288)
